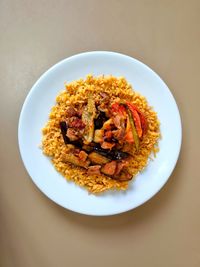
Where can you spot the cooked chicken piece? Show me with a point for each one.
(75, 160)
(120, 166)
(76, 152)
(92, 170)
(119, 133)
(107, 145)
(77, 123)
(82, 155)
(97, 158)
(124, 176)
(98, 136)
(108, 135)
(71, 134)
(70, 112)
(109, 168)
(117, 121)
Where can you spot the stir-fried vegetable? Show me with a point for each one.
(97, 158)
(143, 121)
(131, 133)
(135, 135)
(109, 168)
(71, 158)
(99, 138)
(63, 128)
(136, 118)
(88, 119)
(111, 154)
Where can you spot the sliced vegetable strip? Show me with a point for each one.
(143, 121)
(88, 119)
(134, 132)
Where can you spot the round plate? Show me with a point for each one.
(34, 116)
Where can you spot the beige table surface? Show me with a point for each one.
(35, 35)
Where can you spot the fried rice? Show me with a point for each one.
(76, 94)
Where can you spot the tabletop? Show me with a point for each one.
(35, 35)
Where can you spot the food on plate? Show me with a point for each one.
(100, 133)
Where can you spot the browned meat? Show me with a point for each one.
(107, 145)
(120, 166)
(97, 158)
(108, 135)
(119, 122)
(124, 176)
(70, 112)
(119, 133)
(109, 168)
(76, 152)
(82, 155)
(92, 170)
(71, 134)
(75, 160)
(76, 123)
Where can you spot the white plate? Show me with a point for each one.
(35, 113)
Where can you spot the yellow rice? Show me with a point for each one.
(77, 92)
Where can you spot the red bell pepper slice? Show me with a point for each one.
(139, 119)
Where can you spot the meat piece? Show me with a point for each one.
(97, 158)
(70, 112)
(119, 133)
(124, 176)
(92, 170)
(117, 121)
(75, 160)
(108, 135)
(76, 152)
(107, 145)
(98, 136)
(120, 166)
(71, 134)
(109, 168)
(82, 155)
(77, 123)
